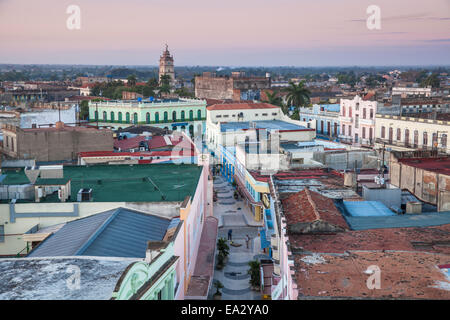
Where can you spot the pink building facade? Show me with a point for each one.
(357, 120)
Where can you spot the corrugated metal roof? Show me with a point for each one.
(367, 209)
(69, 239)
(399, 221)
(116, 233)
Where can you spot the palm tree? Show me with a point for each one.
(272, 98)
(297, 95)
(132, 80)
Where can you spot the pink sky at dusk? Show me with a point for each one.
(231, 32)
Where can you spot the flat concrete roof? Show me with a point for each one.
(270, 125)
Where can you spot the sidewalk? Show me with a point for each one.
(229, 211)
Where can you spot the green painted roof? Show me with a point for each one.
(130, 183)
(51, 182)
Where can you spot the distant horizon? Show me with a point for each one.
(235, 33)
(230, 66)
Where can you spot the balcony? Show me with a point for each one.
(346, 119)
(367, 122)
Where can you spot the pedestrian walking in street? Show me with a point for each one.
(247, 240)
(230, 237)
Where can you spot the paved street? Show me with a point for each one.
(233, 214)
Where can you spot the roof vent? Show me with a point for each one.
(84, 195)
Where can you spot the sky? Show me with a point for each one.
(226, 32)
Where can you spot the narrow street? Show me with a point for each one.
(233, 214)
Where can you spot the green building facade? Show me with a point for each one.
(149, 280)
(160, 113)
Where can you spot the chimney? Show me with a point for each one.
(59, 125)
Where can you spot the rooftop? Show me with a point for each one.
(124, 183)
(404, 275)
(438, 165)
(308, 207)
(270, 125)
(46, 278)
(115, 233)
(241, 106)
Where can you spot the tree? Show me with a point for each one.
(164, 84)
(84, 110)
(297, 94)
(432, 80)
(272, 98)
(132, 80)
(255, 273)
(152, 83)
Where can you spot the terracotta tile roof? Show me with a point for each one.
(241, 106)
(403, 275)
(310, 206)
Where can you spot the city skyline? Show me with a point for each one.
(294, 33)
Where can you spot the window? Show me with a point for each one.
(256, 115)
(343, 111)
(444, 141)
(147, 117)
(225, 116)
(363, 132)
(104, 116)
(383, 132)
(349, 130)
(406, 137)
(2, 233)
(191, 115)
(157, 117)
(127, 117)
(219, 116)
(159, 296)
(425, 139)
(416, 138)
(135, 118)
(350, 112)
(265, 114)
(174, 116)
(182, 116)
(120, 117)
(166, 116)
(343, 129)
(399, 134)
(199, 114)
(274, 114)
(364, 113)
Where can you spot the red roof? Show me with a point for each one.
(129, 143)
(239, 106)
(439, 165)
(310, 206)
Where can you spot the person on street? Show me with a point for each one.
(230, 237)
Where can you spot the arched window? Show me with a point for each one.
(444, 140)
(343, 111)
(104, 116)
(416, 138)
(157, 117)
(391, 134)
(191, 115)
(182, 115)
(127, 117)
(425, 139)
(399, 134)
(135, 118)
(120, 117)
(407, 137)
(112, 116)
(199, 114)
(147, 117)
(166, 116)
(174, 116)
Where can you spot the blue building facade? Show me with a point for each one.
(326, 117)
